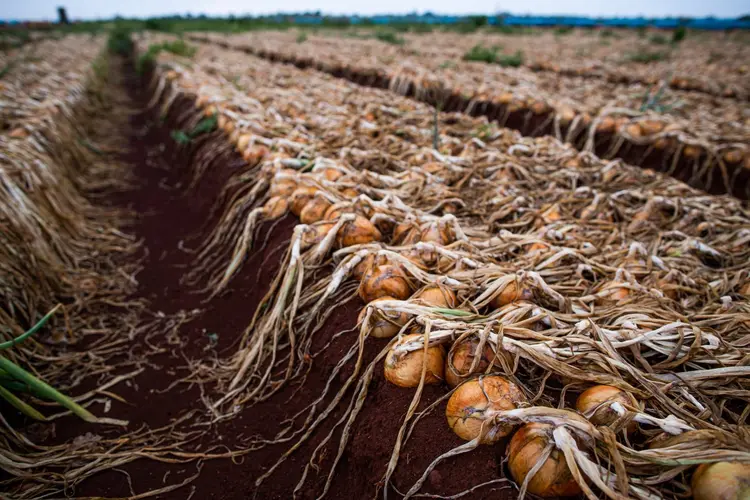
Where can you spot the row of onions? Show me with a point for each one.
(63, 280)
(513, 271)
(585, 112)
(583, 54)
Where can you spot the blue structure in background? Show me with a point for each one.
(708, 23)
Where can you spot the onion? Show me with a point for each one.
(594, 404)
(384, 324)
(405, 369)
(357, 232)
(337, 210)
(511, 293)
(315, 210)
(436, 296)
(275, 207)
(282, 187)
(254, 154)
(384, 281)
(721, 481)
(316, 233)
(406, 233)
(437, 233)
(300, 197)
(331, 174)
(606, 125)
(475, 402)
(526, 447)
(462, 355)
(614, 292)
(349, 193)
(366, 263)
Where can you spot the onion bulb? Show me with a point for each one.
(275, 207)
(437, 233)
(314, 210)
(594, 404)
(254, 154)
(436, 296)
(406, 233)
(282, 187)
(384, 324)
(384, 281)
(511, 293)
(357, 232)
(613, 292)
(331, 174)
(475, 403)
(526, 447)
(316, 233)
(300, 197)
(721, 481)
(462, 355)
(405, 369)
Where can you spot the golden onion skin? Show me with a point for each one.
(512, 292)
(316, 233)
(357, 232)
(300, 197)
(436, 296)
(553, 479)
(469, 405)
(721, 481)
(384, 325)
(598, 397)
(461, 356)
(282, 187)
(384, 281)
(275, 207)
(406, 370)
(314, 210)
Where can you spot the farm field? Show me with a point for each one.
(644, 123)
(277, 280)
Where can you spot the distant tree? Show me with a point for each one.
(62, 16)
(746, 17)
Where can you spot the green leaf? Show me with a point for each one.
(20, 405)
(180, 137)
(204, 126)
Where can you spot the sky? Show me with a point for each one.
(92, 9)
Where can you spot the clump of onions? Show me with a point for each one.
(301, 197)
(316, 233)
(275, 207)
(436, 296)
(405, 369)
(475, 403)
(357, 232)
(512, 292)
(314, 210)
(465, 359)
(721, 481)
(595, 404)
(384, 281)
(526, 448)
(384, 324)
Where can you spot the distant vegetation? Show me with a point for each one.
(492, 55)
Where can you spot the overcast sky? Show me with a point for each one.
(79, 9)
